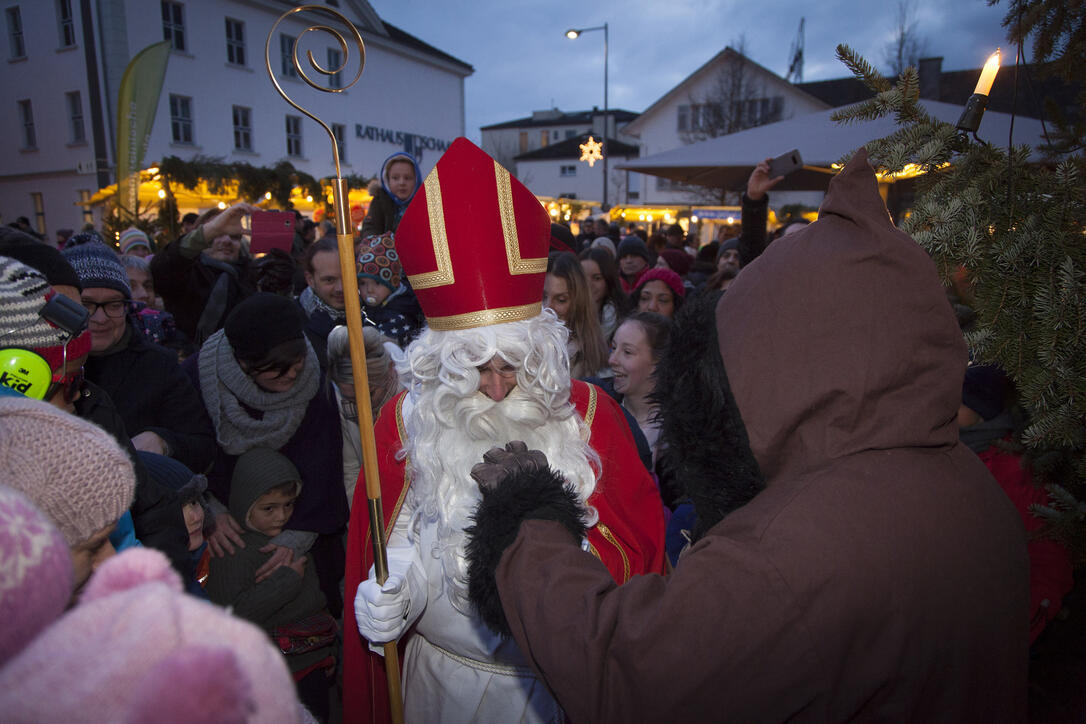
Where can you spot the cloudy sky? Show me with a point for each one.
(523, 61)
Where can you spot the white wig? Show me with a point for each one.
(451, 423)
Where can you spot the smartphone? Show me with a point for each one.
(271, 230)
(785, 164)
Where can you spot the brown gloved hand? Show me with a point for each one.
(498, 464)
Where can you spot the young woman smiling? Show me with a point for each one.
(638, 344)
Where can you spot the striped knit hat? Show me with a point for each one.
(131, 237)
(71, 469)
(23, 293)
(98, 267)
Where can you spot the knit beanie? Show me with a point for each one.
(604, 242)
(23, 294)
(44, 258)
(677, 260)
(89, 236)
(71, 469)
(36, 576)
(633, 245)
(666, 276)
(984, 390)
(562, 238)
(131, 237)
(378, 260)
(732, 243)
(174, 474)
(98, 267)
(262, 322)
(138, 649)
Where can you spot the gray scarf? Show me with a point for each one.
(225, 386)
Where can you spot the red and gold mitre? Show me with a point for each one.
(473, 243)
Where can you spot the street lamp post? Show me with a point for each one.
(572, 34)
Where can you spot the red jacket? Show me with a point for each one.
(629, 538)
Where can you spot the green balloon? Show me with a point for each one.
(25, 372)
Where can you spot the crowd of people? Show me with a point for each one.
(623, 477)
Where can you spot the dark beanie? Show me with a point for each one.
(44, 258)
(732, 243)
(984, 390)
(173, 474)
(633, 245)
(562, 238)
(98, 267)
(677, 260)
(262, 322)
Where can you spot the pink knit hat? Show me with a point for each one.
(667, 277)
(71, 469)
(35, 573)
(137, 649)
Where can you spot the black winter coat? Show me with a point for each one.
(151, 392)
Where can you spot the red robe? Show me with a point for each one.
(629, 538)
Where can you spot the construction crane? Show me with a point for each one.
(795, 66)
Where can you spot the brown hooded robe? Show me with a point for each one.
(881, 575)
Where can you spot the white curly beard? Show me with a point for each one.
(450, 424)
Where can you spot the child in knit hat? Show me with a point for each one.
(137, 649)
(72, 470)
(288, 604)
(135, 243)
(387, 300)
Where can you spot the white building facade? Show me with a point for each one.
(65, 60)
(685, 113)
(556, 170)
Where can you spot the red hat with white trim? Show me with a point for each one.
(474, 243)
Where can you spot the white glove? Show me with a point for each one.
(383, 613)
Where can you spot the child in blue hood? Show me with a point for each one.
(400, 179)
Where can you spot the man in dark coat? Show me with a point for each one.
(204, 274)
(879, 575)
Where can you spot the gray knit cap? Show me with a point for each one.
(98, 267)
(71, 469)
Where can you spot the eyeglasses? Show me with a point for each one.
(69, 386)
(274, 372)
(113, 309)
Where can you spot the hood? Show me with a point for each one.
(400, 156)
(839, 339)
(257, 471)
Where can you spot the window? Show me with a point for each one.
(544, 138)
(294, 135)
(15, 33)
(340, 132)
(554, 136)
(335, 59)
(571, 132)
(65, 26)
(684, 119)
(39, 211)
(567, 170)
(243, 129)
(181, 119)
(235, 42)
(523, 141)
(26, 116)
(84, 201)
(173, 24)
(76, 131)
(286, 56)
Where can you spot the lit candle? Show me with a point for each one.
(988, 74)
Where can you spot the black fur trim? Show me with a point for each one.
(535, 495)
(707, 449)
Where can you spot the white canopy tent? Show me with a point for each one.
(726, 161)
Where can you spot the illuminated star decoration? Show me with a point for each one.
(591, 151)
